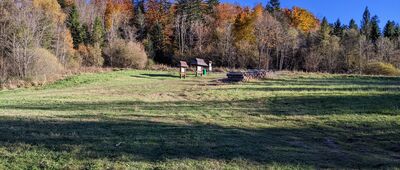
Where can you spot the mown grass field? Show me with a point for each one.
(153, 120)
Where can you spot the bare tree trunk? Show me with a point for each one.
(281, 60)
(360, 57)
(260, 55)
(293, 55)
(277, 56)
(267, 59)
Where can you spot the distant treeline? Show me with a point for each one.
(43, 37)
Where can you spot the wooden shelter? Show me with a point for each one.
(182, 68)
(199, 64)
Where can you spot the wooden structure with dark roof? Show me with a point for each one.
(183, 64)
(199, 64)
(182, 70)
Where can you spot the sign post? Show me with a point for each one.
(182, 70)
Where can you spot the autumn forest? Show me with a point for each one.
(43, 37)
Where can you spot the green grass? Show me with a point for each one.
(154, 120)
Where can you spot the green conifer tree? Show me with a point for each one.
(211, 4)
(353, 24)
(77, 31)
(338, 28)
(273, 5)
(397, 31)
(366, 23)
(190, 8)
(390, 30)
(157, 37)
(98, 32)
(140, 24)
(375, 30)
(325, 29)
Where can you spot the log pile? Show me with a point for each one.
(235, 76)
(248, 75)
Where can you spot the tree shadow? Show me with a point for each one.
(161, 75)
(315, 89)
(319, 146)
(155, 76)
(331, 144)
(384, 104)
(336, 81)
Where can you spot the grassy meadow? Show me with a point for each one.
(153, 120)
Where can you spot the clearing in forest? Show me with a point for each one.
(148, 119)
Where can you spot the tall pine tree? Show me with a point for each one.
(375, 30)
(273, 5)
(140, 24)
(366, 23)
(77, 31)
(353, 24)
(190, 8)
(98, 32)
(157, 37)
(325, 30)
(211, 6)
(390, 30)
(338, 28)
(397, 31)
(138, 5)
(86, 34)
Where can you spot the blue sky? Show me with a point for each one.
(342, 9)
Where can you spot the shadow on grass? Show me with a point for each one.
(336, 81)
(384, 104)
(331, 144)
(155, 76)
(321, 146)
(161, 75)
(314, 89)
(326, 145)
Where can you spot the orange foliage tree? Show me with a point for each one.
(227, 13)
(302, 19)
(155, 12)
(258, 11)
(159, 20)
(244, 26)
(116, 10)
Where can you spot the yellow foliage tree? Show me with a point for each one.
(117, 9)
(302, 19)
(51, 8)
(244, 27)
(258, 11)
(68, 41)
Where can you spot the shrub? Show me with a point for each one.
(91, 55)
(150, 64)
(162, 67)
(220, 69)
(125, 55)
(44, 65)
(379, 68)
(74, 60)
